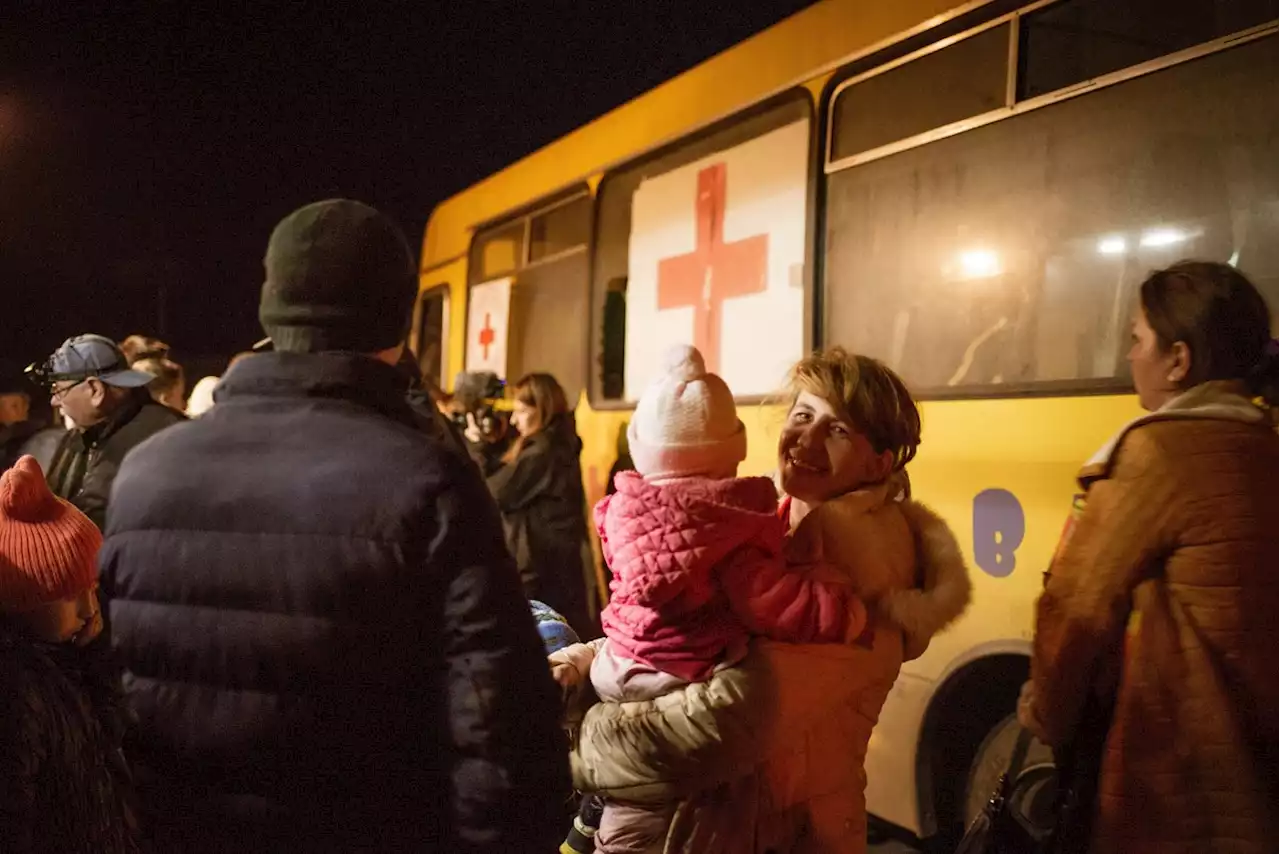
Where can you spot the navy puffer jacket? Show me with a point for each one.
(325, 641)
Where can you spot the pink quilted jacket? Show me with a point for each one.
(698, 568)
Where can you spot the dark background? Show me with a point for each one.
(147, 149)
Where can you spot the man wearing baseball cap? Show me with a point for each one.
(326, 643)
(90, 380)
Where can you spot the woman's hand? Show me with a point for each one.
(856, 633)
(1027, 716)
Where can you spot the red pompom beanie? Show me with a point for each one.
(48, 548)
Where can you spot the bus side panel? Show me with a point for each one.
(1002, 474)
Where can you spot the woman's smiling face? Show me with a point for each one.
(822, 455)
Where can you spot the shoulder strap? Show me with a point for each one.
(1019, 756)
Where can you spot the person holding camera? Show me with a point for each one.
(471, 409)
(537, 484)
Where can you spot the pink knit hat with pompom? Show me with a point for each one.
(686, 423)
(48, 548)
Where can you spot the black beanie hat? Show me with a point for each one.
(339, 276)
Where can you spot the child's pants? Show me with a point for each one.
(632, 828)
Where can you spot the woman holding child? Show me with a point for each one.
(705, 743)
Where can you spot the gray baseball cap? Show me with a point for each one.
(94, 356)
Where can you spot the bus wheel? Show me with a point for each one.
(1034, 784)
(972, 704)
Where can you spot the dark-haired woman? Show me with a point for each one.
(1156, 636)
(538, 488)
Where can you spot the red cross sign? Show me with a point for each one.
(486, 335)
(488, 312)
(714, 271)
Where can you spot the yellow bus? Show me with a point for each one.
(969, 191)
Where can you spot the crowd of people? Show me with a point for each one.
(319, 605)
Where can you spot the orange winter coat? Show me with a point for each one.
(767, 755)
(1177, 542)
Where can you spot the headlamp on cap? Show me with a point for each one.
(83, 357)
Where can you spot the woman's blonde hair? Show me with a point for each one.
(545, 396)
(870, 395)
(139, 347)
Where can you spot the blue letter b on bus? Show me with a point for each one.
(998, 528)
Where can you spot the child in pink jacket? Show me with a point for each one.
(696, 555)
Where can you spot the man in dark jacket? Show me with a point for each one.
(89, 378)
(16, 424)
(420, 399)
(325, 641)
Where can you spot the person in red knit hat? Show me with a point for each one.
(64, 785)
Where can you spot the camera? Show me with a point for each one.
(473, 394)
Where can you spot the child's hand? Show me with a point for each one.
(565, 674)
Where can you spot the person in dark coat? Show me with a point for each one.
(422, 401)
(324, 640)
(90, 380)
(538, 488)
(64, 786)
(16, 424)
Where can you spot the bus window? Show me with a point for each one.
(613, 358)
(966, 79)
(497, 252)
(559, 230)
(704, 243)
(1008, 257)
(545, 253)
(1071, 42)
(433, 329)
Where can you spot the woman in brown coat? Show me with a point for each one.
(1160, 607)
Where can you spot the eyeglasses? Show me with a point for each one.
(60, 393)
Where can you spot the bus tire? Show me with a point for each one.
(972, 704)
(992, 760)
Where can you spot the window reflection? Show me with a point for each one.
(1010, 254)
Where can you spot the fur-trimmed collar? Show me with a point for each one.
(944, 589)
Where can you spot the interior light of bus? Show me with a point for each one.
(1163, 237)
(979, 264)
(1112, 246)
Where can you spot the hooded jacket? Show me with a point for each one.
(1161, 605)
(698, 567)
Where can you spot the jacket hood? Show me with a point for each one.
(657, 537)
(943, 586)
(1217, 400)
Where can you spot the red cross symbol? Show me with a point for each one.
(714, 271)
(486, 336)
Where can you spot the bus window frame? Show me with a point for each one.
(854, 78)
(857, 72)
(794, 95)
(849, 77)
(525, 214)
(423, 296)
(561, 197)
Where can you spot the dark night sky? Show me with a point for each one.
(151, 146)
